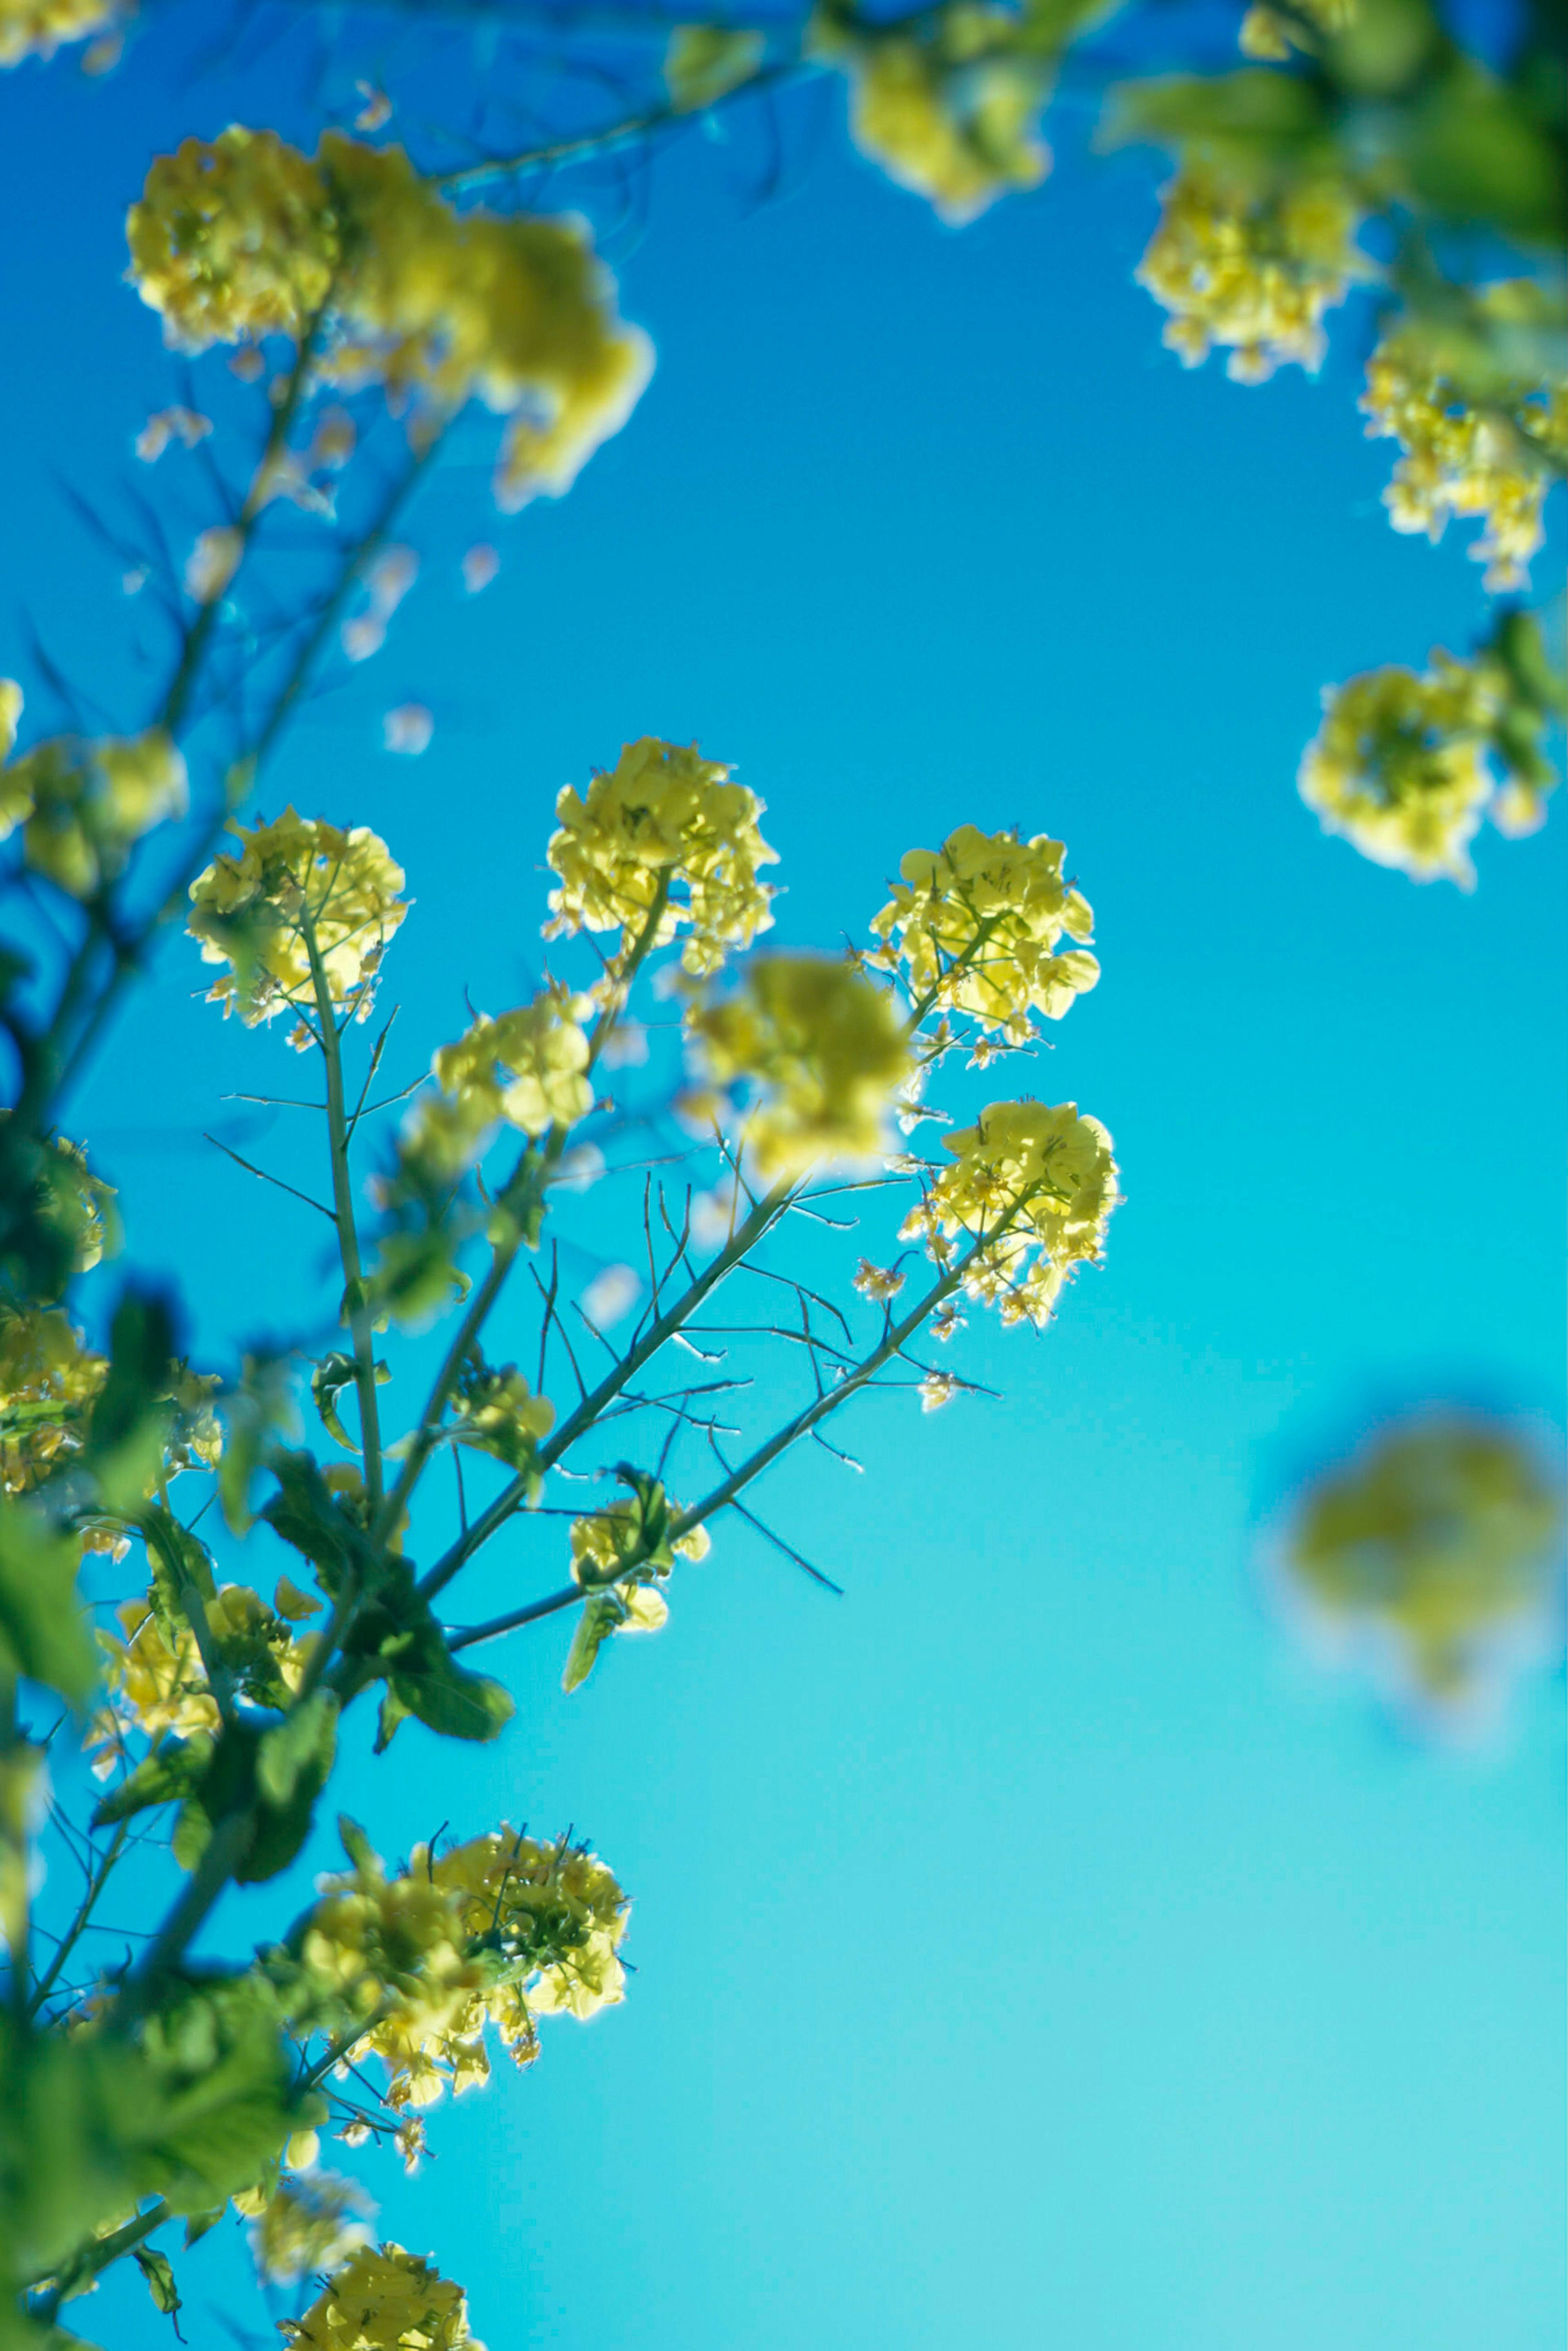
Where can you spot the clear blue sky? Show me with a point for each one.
(1031, 1949)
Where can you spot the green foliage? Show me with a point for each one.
(42, 1630)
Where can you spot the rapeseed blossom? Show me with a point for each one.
(948, 105)
(156, 1680)
(1433, 1546)
(385, 2300)
(664, 818)
(527, 1068)
(312, 2220)
(976, 928)
(290, 879)
(1251, 270)
(1037, 1185)
(1496, 462)
(824, 1053)
(36, 28)
(244, 236)
(49, 1381)
(83, 804)
(1399, 765)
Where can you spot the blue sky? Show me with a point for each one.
(1031, 1948)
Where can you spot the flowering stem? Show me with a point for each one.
(356, 1311)
(530, 1175)
(78, 1925)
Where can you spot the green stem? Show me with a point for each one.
(78, 1925)
(356, 1311)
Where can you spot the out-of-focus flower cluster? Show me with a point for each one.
(1399, 765)
(976, 928)
(663, 818)
(84, 805)
(1251, 269)
(384, 2300)
(36, 28)
(1496, 462)
(947, 103)
(49, 1381)
(1036, 1185)
(493, 1933)
(245, 237)
(1432, 1547)
(294, 883)
(821, 1047)
(1273, 33)
(155, 1680)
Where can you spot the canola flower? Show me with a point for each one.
(491, 1935)
(948, 106)
(312, 2220)
(254, 909)
(245, 236)
(1037, 1185)
(1495, 463)
(1251, 271)
(976, 928)
(36, 28)
(824, 1052)
(156, 1680)
(49, 1381)
(528, 1069)
(663, 818)
(1433, 1545)
(1399, 765)
(83, 805)
(384, 2300)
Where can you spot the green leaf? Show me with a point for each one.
(304, 1743)
(170, 1771)
(361, 1852)
(259, 1410)
(159, 2272)
(448, 1699)
(181, 1565)
(43, 1633)
(331, 1375)
(130, 1418)
(601, 1614)
(304, 1514)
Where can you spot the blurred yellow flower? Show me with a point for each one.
(83, 805)
(528, 1067)
(823, 1050)
(36, 28)
(1253, 271)
(1399, 765)
(703, 62)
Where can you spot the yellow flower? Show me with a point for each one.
(528, 1067)
(602, 1540)
(1434, 1542)
(664, 816)
(936, 1389)
(1037, 1185)
(252, 910)
(1497, 462)
(878, 1282)
(11, 700)
(36, 28)
(976, 927)
(1253, 270)
(557, 1914)
(155, 1681)
(1399, 765)
(245, 237)
(49, 1381)
(385, 2300)
(83, 804)
(310, 2221)
(825, 1051)
(948, 106)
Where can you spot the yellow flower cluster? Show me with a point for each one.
(947, 105)
(1399, 765)
(823, 1050)
(528, 1067)
(294, 880)
(496, 1932)
(601, 1542)
(977, 924)
(82, 805)
(36, 28)
(156, 1683)
(1497, 463)
(663, 818)
(312, 2220)
(385, 2300)
(1270, 34)
(496, 1412)
(49, 1382)
(1250, 270)
(1036, 1185)
(245, 237)
(1435, 1542)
